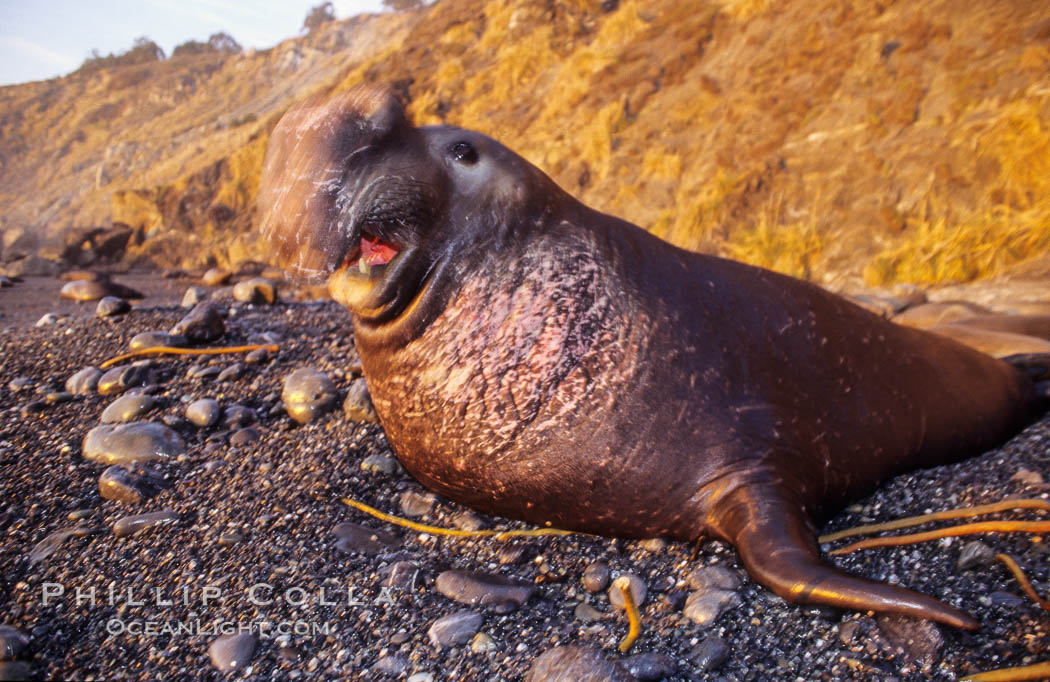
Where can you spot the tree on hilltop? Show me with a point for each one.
(401, 5)
(318, 16)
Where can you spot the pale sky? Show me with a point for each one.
(44, 38)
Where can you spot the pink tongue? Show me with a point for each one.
(376, 253)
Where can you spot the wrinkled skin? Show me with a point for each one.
(533, 358)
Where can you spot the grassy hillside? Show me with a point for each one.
(894, 141)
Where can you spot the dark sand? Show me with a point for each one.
(282, 492)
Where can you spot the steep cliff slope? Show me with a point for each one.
(901, 141)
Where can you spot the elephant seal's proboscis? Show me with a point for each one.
(531, 357)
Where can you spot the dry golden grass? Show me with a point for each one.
(791, 248)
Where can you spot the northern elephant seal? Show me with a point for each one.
(531, 357)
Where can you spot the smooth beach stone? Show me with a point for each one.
(47, 319)
(636, 586)
(202, 324)
(93, 290)
(84, 382)
(127, 408)
(455, 628)
(193, 296)
(484, 589)
(119, 379)
(358, 404)
(133, 442)
(595, 576)
(307, 394)
(109, 306)
(133, 525)
(213, 277)
(576, 664)
(248, 434)
(204, 412)
(232, 652)
(52, 542)
(146, 340)
(703, 608)
(129, 486)
(255, 290)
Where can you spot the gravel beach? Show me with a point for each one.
(248, 534)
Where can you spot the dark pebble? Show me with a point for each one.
(713, 577)
(402, 574)
(650, 666)
(16, 671)
(127, 408)
(417, 504)
(119, 379)
(238, 416)
(52, 542)
(392, 665)
(307, 394)
(231, 373)
(111, 305)
(975, 553)
(710, 654)
(202, 324)
(204, 412)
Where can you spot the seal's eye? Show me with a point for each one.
(464, 153)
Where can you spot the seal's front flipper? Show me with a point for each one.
(778, 547)
(1037, 367)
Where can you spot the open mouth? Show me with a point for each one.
(370, 252)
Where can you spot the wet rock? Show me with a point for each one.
(56, 397)
(146, 340)
(257, 356)
(202, 324)
(232, 652)
(255, 290)
(595, 576)
(482, 589)
(381, 464)
(392, 665)
(133, 525)
(467, 521)
(193, 296)
(119, 379)
(248, 434)
(52, 542)
(637, 587)
(84, 382)
(133, 442)
(93, 290)
(1007, 599)
(129, 486)
(576, 664)
(355, 538)
(12, 642)
(650, 666)
(307, 394)
(917, 639)
(710, 654)
(713, 577)
(417, 504)
(206, 372)
(358, 405)
(204, 412)
(47, 319)
(214, 277)
(704, 607)
(109, 306)
(974, 553)
(127, 408)
(455, 628)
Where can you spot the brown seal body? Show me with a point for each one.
(531, 357)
